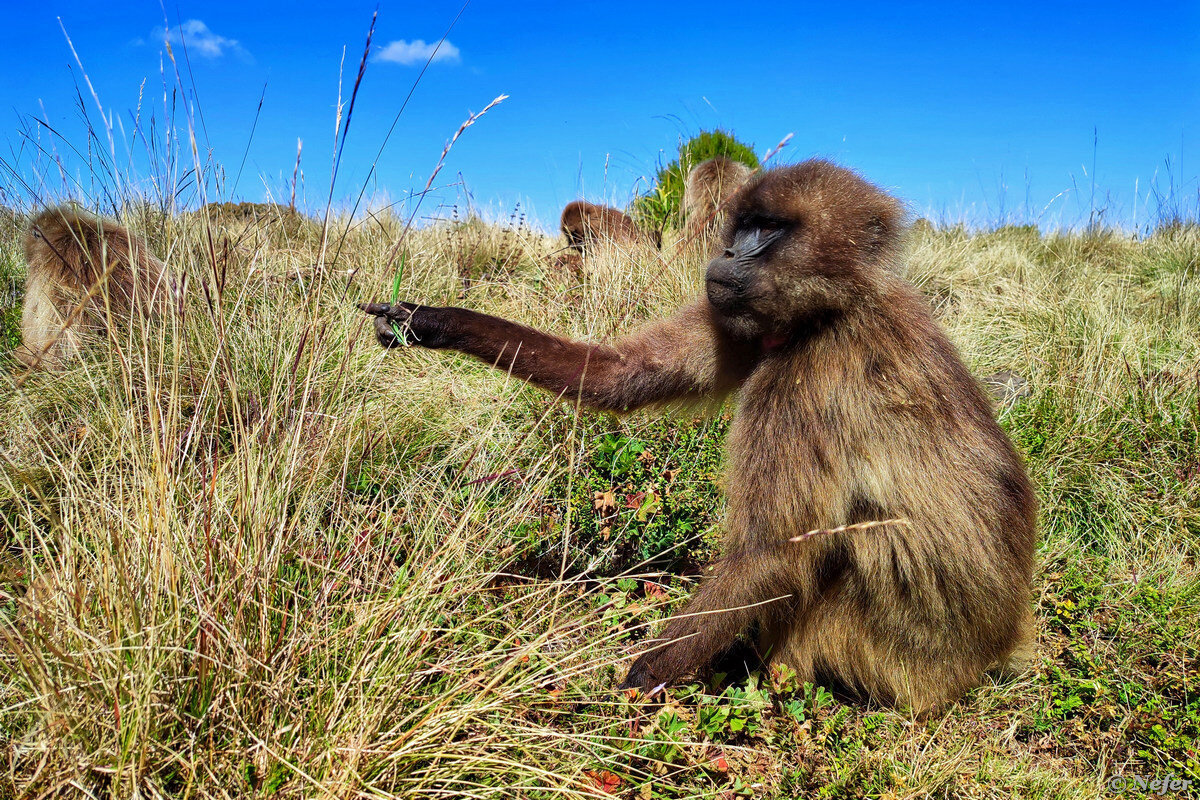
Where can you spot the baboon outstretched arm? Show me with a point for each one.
(744, 587)
(683, 356)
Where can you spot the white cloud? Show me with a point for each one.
(199, 39)
(418, 51)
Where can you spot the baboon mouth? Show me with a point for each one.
(732, 298)
(731, 284)
(725, 297)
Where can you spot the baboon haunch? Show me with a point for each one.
(709, 184)
(853, 407)
(83, 272)
(584, 224)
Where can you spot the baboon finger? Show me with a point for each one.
(376, 309)
(386, 334)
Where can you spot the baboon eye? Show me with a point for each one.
(770, 224)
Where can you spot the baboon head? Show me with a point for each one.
(799, 243)
(584, 224)
(708, 185)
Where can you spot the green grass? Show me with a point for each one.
(12, 282)
(247, 553)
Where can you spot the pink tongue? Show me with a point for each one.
(772, 340)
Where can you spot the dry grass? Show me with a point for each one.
(250, 554)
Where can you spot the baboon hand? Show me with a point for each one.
(653, 671)
(403, 324)
(641, 677)
(662, 665)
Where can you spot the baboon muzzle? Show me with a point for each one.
(726, 281)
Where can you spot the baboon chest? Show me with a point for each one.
(790, 451)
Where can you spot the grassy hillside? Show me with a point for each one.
(247, 553)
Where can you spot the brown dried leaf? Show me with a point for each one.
(605, 501)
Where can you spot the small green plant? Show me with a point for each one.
(646, 499)
(807, 706)
(736, 711)
(665, 740)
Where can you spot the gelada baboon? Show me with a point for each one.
(84, 272)
(709, 184)
(854, 408)
(585, 224)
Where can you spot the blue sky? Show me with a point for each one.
(981, 111)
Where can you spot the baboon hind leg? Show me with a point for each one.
(835, 646)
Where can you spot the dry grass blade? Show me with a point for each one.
(858, 526)
(394, 253)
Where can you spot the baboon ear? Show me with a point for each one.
(880, 232)
(877, 228)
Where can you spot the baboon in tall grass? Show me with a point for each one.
(709, 184)
(881, 527)
(586, 224)
(85, 272)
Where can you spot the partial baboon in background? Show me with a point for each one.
(285, 219)
(709, 184)
(880, 530)
(584, 224)
(84, 272)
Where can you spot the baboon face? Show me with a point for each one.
(800, 242)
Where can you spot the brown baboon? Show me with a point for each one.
(84, 271)
(880, 529)
(585, 223)
(709, 184)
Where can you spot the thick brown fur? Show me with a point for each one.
(709, 185)
(587, 224)
(85, 272)
(854, 407)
